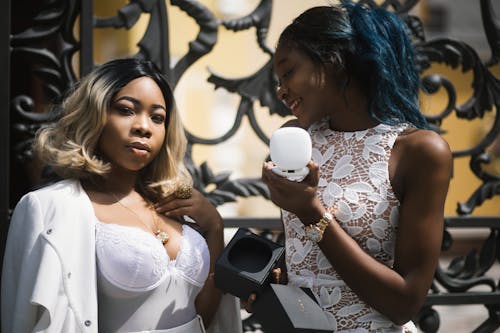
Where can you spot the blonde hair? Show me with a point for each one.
(69, 145)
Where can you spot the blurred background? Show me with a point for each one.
(238, 55)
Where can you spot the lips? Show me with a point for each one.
(293, 104)
(140, 146)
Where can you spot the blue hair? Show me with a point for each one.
(369, 45)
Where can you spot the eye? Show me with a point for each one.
(158, 118)
(288, 73)
(124, 110)
(284, 77)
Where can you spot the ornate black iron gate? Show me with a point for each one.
(4, 120)
(42, 49)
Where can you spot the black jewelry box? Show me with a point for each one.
(287, 308)
(246, 263)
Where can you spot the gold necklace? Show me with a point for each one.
(160, 235)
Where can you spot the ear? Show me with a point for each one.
(340, 78)
(320, 77)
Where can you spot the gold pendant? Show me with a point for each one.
(162, 236)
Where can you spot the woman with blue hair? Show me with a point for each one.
(364, 228)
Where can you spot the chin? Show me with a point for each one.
(304, 122)
(135, 167)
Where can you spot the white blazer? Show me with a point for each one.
(49, 269)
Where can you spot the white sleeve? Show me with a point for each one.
(21, 261)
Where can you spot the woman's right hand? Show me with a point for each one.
(248, 304)
(196, 207)
(296, 197)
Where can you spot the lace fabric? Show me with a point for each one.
(139, 286)
(130, 258)
(193, 259)
(354, 184)
(134, 260)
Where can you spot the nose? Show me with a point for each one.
(141, 125)
(282, 92)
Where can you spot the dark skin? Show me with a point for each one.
(420, 168)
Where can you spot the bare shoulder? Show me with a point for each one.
(421, 159)
(417, 146)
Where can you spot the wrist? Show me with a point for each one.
(315, 231)
(311, 215)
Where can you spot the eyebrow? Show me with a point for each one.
(282, 60)
(136, 102)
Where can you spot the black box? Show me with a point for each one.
(245, 266)
(286, 308)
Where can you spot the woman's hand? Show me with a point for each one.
(196, 207)
(296, 197)
(278, 276)
(206, 216)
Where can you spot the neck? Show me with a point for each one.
(119, 182)
(350, 111)
(351, 123)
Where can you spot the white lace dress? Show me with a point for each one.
(354, 180)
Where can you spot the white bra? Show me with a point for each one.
(134, 260)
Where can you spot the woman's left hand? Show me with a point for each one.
(296, 197)
(196, 207)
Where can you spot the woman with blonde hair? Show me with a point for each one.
(93, 252)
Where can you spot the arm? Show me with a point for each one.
(423, 171)
(212, 227)
(209, 297)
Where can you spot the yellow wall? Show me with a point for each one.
(463, 134)
(209, 113)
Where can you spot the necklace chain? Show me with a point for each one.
(161, 235)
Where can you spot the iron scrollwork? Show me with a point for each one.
(485, 97)
(225, 188)
(57, 20)
(468, 271)
(53, 27)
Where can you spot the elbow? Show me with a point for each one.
(406, 311)
(400, 320)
